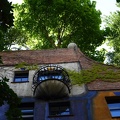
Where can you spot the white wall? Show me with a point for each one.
(25, 89)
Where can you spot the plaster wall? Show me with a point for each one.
(25, 89)
(100, 108)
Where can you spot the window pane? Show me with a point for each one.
(50, 76)
(27, 117)
(59, 108)
(115, 113)
(27, 112)
(57, 77)
(21, 76)
(17, 79)
(114, 106)
(43, 77)
(24, 79)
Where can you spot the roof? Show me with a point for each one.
(63, 55)
(103, 85)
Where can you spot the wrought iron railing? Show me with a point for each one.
(51, 72)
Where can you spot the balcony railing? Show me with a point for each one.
(51, 82)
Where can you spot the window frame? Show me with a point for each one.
(59, 106)
(112, 103)
(27, 106)
(21, 75)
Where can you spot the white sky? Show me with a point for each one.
(105, 6)
(16, 1)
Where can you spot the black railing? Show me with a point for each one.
(51, 72)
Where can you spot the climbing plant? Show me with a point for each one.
(97, 71)
(8, 96)
(26, 66)
(101, 72)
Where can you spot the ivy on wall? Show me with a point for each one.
(101, 72)
(97, 71)
(26, 66)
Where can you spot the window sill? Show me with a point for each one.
(50, 116)
(21, 82)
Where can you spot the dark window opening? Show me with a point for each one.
(21, 76)
(114, 105)
(59, 109)
(27, 110)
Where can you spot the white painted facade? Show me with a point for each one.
(24, 89)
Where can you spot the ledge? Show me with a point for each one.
(50, 116)
(21, 82)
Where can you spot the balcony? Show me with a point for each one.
(51, 82)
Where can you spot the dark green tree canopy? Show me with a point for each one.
(118, 1)
(56, 23)
(6, 21)
(6, 15)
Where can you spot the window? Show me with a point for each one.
(27, 110)
(21, 76)
(50, 75)
(59, 108)
(45, 77)
(114, 105)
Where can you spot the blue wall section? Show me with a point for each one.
(86, 109)
(81, 108)
(3, 109)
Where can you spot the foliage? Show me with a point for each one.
(101, 72)
(118, 1)
(15, 36)
(8, 96)
(98, 55)
(56, 23)
(6, 21)
(26, 66)
(6, 15)
(113, 23)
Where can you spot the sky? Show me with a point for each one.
(105, 6)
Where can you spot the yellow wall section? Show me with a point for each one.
(100, 108)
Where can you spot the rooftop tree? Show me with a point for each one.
(56, 23)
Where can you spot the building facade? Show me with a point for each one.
(46, 89)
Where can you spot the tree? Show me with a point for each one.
(113, 23)
(6, 21)
(8, 96)
(56, 23)
(117, 1)
(6, 15)
(15, 37)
